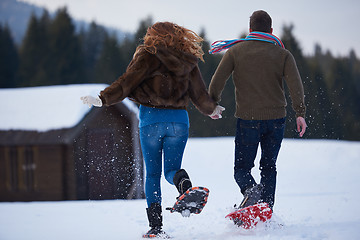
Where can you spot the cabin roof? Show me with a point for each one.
(47, 108)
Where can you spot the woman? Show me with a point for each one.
(163, 77)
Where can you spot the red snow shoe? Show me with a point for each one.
(250, 216)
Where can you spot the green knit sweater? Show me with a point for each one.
(259, 70)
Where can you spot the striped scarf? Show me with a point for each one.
(222, 45)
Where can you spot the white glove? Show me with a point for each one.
(90, 100)
(217, 112)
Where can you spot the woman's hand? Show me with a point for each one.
(217, 112)
(92, 101)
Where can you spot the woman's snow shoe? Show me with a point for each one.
(192, 201)
(154, 213)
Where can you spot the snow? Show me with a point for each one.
(44, 108)
(317, 198)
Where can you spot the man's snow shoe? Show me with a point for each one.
(252, 196)
(250, 216)
(192, 201)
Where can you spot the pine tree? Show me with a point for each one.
(200, 123)
(92, 42)
(111, 61)
(65, 58)
(327, 120)
(293, 46)
(115, 57)
(34, 52)
(345, 98)
(128, 46)
(9, 59)
(316, 97)
(330, 92)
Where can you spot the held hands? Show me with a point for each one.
(301, 125)
(217, 112)
(92, 101)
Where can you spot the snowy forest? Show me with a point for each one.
(54, 53)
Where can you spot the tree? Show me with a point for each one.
(115, 57)
(203, 126)
(293, 46)
(129, 45)
(9, 59)
(111, 61)
(34, 51)
(92, 42)
(316, 97)
(327, 120)
(344, 97)
(65, 55)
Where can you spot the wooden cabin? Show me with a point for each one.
(52, 147)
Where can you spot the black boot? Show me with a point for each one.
(252, 196)
(182, 181)
(154, 213)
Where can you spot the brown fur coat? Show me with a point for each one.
(166, 79)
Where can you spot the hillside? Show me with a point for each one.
(16, 15)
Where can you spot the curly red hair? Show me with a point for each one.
(171, 35)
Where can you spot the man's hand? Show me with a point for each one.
(301, 125)
(92, 101)
(217, 112)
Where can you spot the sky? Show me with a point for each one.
(326, 22)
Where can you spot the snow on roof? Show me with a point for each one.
(47, 108)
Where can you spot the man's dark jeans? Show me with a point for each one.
(249, 133)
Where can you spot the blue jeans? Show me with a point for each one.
(249, 133)
(158, 139)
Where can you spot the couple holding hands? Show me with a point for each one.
(164, 76)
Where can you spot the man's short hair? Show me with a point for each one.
(260, 21)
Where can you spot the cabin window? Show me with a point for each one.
(14, 169)
(21, 169)
(29, 169)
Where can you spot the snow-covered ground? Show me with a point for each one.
(317, 198)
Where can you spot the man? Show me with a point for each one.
(259, 65)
